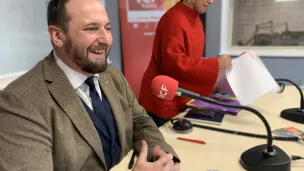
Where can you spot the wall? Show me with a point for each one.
(280, 67)
(24, 36)
(113, 13)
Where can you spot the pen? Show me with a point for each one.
(191, 140)
(131, 163)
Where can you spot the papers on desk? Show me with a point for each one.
(249, 78)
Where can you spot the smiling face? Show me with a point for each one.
(201, 6)
(89, 38)
(86, 43)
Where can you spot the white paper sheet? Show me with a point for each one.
(223, 84)
(249, 78)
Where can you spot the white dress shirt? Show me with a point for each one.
(77, 80)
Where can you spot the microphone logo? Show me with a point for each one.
(163, 92)
(164, 87)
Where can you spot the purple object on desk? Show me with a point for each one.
(204, 105)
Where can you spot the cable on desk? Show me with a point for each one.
(296, 157)
(247, 134)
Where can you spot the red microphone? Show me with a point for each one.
(164, 87)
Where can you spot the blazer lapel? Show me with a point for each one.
(63, 92)
(111, 93)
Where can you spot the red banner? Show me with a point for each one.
(138, 22)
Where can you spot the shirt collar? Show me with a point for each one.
(75, 78)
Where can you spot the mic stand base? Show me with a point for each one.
(294, 114)
(255, 159)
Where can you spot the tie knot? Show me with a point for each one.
(90, 82)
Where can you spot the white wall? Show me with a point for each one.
(24, 37)
(23, 32)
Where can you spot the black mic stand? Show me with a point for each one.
(264, 157)
(294, 114)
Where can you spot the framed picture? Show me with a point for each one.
(272, 28)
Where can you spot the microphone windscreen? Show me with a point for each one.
(164, 87)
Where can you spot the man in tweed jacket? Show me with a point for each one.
(43, 122)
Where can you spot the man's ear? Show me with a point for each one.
(56, 35)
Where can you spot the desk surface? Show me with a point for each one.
(222, 151)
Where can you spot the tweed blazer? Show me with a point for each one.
(44, 126)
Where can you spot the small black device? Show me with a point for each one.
(181, 125)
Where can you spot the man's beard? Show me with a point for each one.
(81, 58)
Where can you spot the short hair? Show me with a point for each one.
(57, 14)
(181, 0)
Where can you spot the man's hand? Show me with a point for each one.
(164, 163)
(157, 153)
(225, 62)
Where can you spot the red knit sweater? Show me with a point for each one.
(177, 52)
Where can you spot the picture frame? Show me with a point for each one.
(256, 25)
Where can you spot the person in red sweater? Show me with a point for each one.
(177, 52)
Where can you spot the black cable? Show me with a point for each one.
(247, 134)
(294, 138)
(296, 157)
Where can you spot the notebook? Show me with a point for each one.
(205, 112)
(216, 119)
(224, 99)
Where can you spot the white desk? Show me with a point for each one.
(222, 151)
